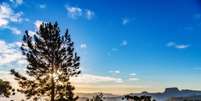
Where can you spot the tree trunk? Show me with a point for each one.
(52, 91)
(53, 84)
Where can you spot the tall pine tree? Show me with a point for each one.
(51, 63)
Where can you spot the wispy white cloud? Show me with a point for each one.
(9, 52)
(92, 79)
(14, 30)
(177, 46)
(132, 74)
(17, 17)
(83, 45)
(7, 13)
(75, 12)
(115, 72)
(132, 77)
(182, 46)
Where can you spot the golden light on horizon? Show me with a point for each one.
(113, 89)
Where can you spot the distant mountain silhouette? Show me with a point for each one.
(168, 93)
(160, 96)
(171, 90)
(189, 98)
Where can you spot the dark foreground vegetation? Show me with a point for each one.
(51, 63)
(6, 89)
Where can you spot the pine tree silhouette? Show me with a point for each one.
(51, 63)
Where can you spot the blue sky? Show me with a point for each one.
(147, 45)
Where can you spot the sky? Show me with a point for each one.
(125, 45)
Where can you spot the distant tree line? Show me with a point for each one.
(97, 97)
(139, 98)
(100, 97)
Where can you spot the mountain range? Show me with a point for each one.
(158, 96)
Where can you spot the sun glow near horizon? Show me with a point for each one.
(140, 46)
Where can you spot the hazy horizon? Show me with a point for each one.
(125, 46)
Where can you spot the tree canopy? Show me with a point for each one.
(51, 63)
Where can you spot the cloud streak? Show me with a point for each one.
(94, 79)
(14, 30)
(132, 77)
(177, 46)
(115, 72)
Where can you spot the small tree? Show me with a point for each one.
(51, 62)
(69, 96)
(6, 89)
(98, 97)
